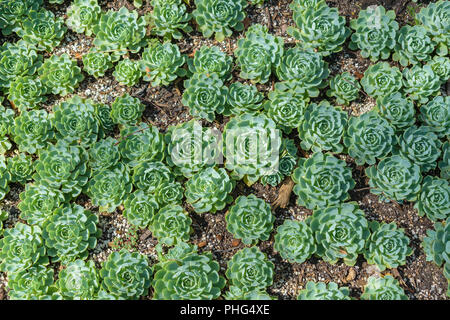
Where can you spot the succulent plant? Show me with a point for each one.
(60, 74)
(420, 83)
(162, 63)
(236, 293)
(126, 275)
(83, 15)
(21, 168)
(436, 243)
(243, 98)
(286, 108)
(395, 178)
(6, 120)
(434, 198)
(17, 60)
(35, 283)
(140, 208)
(5, 144)
(103, 115)
(169, 18)
(381, 80)
(149, 175)
(12, 13)
(210, 60)
(369, 137)
(169, 193)
(249, 269)
(218, 17)
(205, 95)
(27, 93)
(397, 110)
(104, 154)
(250, 219)
(300, 6)
(413, 45)
(140, 143)
(3, 216)
(128, 72)
(286, 163)
(96, 63)
(320, 28)
(436, 115)
(323, 291)
(258, 53)
(323, 127)
(209, 190)
(64, 167)
(74, 121)
(421, 146)
(38, 202)
(108, 187)
(375, 33)
(344, 87)
(21, 248)
(434, 18)
(120, 32)
(386, 288)
(322, 180)
(172, 225)
(126, 110)
(444, 165)
(272, 179)
(302, 69)
(70, 232)
(5, 177)
(251, 146)
(78, 281)
(341, 232)
(32, 130)
(294, 241)
(191, 147)
(440, 67)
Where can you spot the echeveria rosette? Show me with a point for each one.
(5, 144)
(120, 32)
(381, 80)
(12, 13)
(421, 146)
(149, 175)
(18, 59)
(294, 241)
(444, 165)
(211, 60)
(169, 19)
(440, 67)
(436, 243)
(323, 291)
(397, 110)
(64, 167)
(103, 115)
(302, 69)
(169, 193)
(21, 168)
(162, 63)
(249, 269)
(236, 293)
(172, 225)
(251, 146)
(420, 83)
(250, 219)
(141, 143)
(300, 6)
(79, 280)
(104, 154)
(387, 247)
(35, 283)
(74, 121)
(375, 33)
(434, 18)
(96, 63)
(258, 53)
(42, 30)
(219, 17)
(321, 28)
(82, 15)
(5, 177)
(434, 198)
(413, 45)
(205, 95)
(322, 127)
(21, 248)
(38, 202)
(126, 110)
(286, 108)
(386, 288)
(341, 232)
(6, 121)
(395, 178)
(436, 115)
(243, 98)
(344, 87)
(108, 188)
(321, 181)
(273, 179)
(140, 208)
(126, 275)
(70, 232)
(209, 190)
(191, 147)
(60, 74)
(27, 93)
(189, 276)
(369, 137)
(128, 72)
